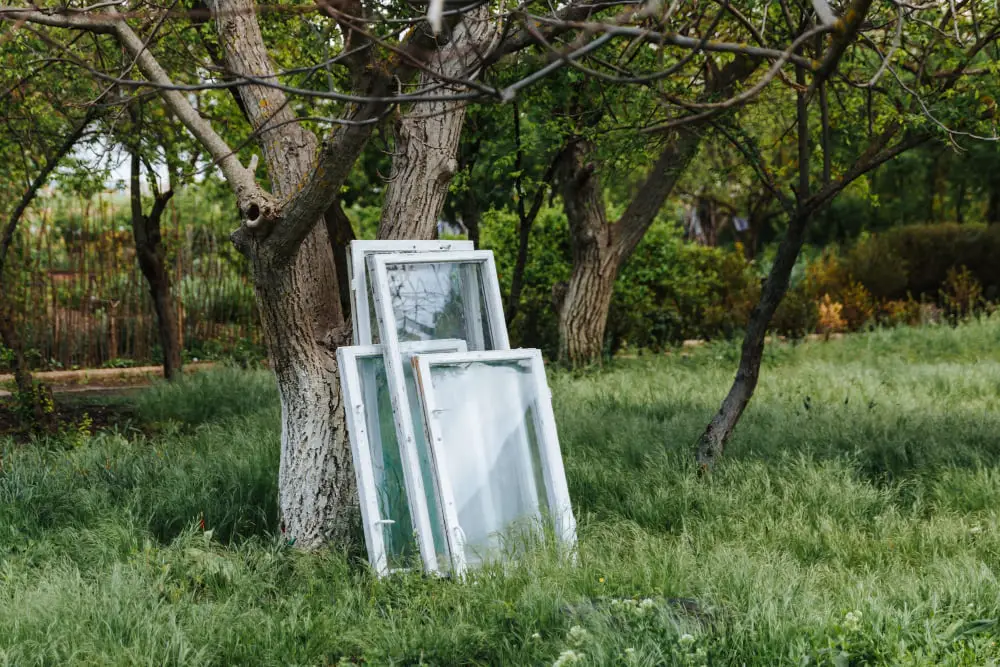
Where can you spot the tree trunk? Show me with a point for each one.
(298, 292)
(153, 263)
(471, 216)
(427, 139)
(583, 317)
(299, 303)
(338, 228)
(600, 248)
(713, 440)
(583, 314)
(520, 264)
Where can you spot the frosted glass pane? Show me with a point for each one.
(435, 300)
(486, 412)
(400, 542)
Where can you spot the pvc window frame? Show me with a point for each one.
(378, 270)
(357, 403)
(357, 254)
(553, 471)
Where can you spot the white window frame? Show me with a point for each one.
(357, 253)
(377, 269)
(554, 473)
(357, 404)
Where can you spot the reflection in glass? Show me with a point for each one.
(394, 507)
(435, 300)
(488, 412)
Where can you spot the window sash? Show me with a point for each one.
(378, 270)
(358, 253)
(357, 404)
(554, 474)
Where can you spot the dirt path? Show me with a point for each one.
(100, 380)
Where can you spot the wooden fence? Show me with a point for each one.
(79, 299)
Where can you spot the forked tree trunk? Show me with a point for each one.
(152, 258)
(299, 303)
(427, 138)
(299, 296)
(600, 249)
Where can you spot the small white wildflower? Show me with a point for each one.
(647, 603)
(686, 640)
(852, 621)
(577, 635)
(567, 657)
(536, 637)
(629, 652)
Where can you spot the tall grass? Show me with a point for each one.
(854, 521)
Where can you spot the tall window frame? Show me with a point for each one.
(358, 401)
(492, 304)
(554, 474)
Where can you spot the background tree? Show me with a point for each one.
(933, 93)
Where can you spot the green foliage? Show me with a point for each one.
(854, 522)
(668, 291)
(548, 263)
(931, 251)
(671, 290)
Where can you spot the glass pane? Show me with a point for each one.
(487, 414)
(431, 301)
(400, 541)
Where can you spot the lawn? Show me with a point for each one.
(854, 521)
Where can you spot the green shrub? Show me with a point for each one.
(797, 314)
(878, 266)
(930, 251)
(668, 291)
(671, 290)
(549, 263)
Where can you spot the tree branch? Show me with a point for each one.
(38, 182)
(113, 23)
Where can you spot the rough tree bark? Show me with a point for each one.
(152, 258)
(292, 256)
(427, 137)
(600, 247)
(298, 297)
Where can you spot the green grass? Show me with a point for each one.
(863, 478)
